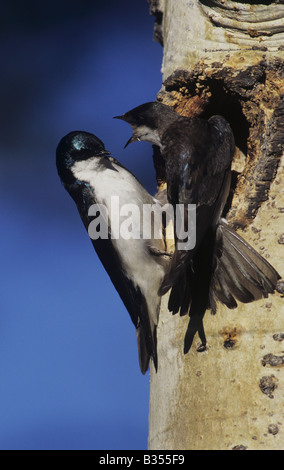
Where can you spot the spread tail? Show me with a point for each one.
(241, 273)
(238, 273)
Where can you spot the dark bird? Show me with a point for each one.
(221, 266)
(136, 266)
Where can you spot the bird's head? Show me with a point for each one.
(148, 121)
(77, 146)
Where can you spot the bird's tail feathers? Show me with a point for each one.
(146, 334)
(146, 349)
(241, 272)
(176, 269)
(181, 294)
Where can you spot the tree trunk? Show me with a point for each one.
(227, 58)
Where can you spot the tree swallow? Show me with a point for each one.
(198, 155)
(136, 266)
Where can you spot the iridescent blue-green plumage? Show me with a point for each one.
(136, 267)
(222, 266)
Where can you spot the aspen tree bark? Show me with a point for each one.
(224, 57)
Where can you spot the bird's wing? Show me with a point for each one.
(198, 159)
(205, 161)
(129, 293)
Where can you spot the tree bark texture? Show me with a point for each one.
(227, 58)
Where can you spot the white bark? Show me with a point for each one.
(232, 395)
(193, 31)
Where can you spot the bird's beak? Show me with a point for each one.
(132, 139)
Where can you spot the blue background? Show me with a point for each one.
(69, 374)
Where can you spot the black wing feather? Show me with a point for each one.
(130, 294)
(198, 159)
